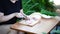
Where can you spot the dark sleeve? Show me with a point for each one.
(1, 9)
(19, 4)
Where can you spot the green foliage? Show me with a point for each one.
(28, 12)
(30, 6)
(49, 13)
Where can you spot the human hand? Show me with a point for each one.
(19, 15)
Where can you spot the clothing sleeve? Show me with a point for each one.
(1, 8)
(19, 3)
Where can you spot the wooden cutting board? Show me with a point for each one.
(34, 19)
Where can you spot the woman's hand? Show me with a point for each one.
(22, 15)
(19, 15)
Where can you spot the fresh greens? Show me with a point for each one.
(42, 6)
(49, 13)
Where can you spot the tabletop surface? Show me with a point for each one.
(44, 26)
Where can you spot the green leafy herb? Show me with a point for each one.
(42, 6)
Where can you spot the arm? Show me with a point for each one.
(7, 17)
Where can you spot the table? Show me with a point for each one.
(44, 26)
